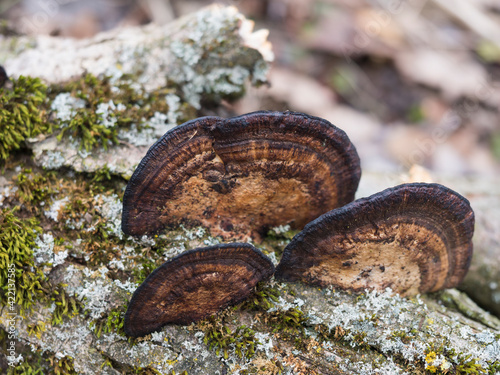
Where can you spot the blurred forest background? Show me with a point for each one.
(411, 82)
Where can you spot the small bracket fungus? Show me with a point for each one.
(242, 175)
(194, 285)
(413, 238)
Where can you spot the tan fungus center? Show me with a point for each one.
(251, 201)
(387, 259)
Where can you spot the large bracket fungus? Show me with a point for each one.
(194, 285)
(242, 175)
(413, 238)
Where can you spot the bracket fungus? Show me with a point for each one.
(242, 175)
(413, 238)
(194, 285)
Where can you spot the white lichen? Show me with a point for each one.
(55, 208)
(43, 252)
(5, 192)
(110, 208)
(106, 112)
(128, 285)
(273, 258)
(95, 292)
(281, 229)
(64, 105)
(173, 251)
(265, 344)
(174, 105)
(149, 130)
(53, 159)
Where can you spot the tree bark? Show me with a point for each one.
(290, 328)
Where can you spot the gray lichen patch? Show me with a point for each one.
(44, 253)
(287, 328)
(204, 40)
(99, 119)
(71, 339)
(290, 328)
(406, 332)
(208, 56)
(282, 328)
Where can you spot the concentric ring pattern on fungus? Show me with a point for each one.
(243, 175)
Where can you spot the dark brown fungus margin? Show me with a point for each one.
(242, 175)
(194, 285)
(413, 238)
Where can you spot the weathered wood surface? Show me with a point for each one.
(327, 331)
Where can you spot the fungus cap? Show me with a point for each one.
(413, 238)
(194, 285)
(243, 175)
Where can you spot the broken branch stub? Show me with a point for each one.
(243, 175)
(413, 238)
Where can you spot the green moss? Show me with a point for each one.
(405, 337)
(220, 337)
(102, 175)
(148, 259)
(35, 363)
(17, 242)
(22, 114)
(36, 329)
(494, 368)
(80, 192)
(97, 241)
(116, 320)
(32, 362)
(281, 232)
(17, 266)
(33, 188)
(335, 334)
(104, 181)
(262, 298)
(146, 371)
(467, 365)
(461, 364)
(338, 335)
(277, 238)
(97, 244)
(62, 366)
(82, 222)
(113, 322)
(290, 322)
(66, 305)
(96, 90)
(30, 366)
(359, 339)
(86, 124)
(142, 271)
